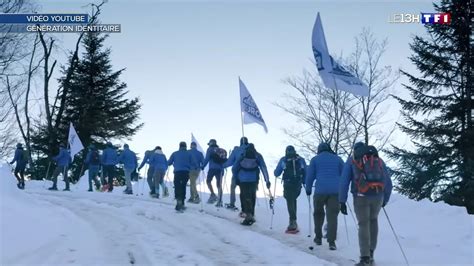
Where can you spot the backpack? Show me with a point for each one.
(369, 172)
(219, 155)
(248, 161)
(25, 156)
(294, 172)
(95, 158)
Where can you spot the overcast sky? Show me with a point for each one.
(183, 59)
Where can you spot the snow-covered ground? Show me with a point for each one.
(39, 227)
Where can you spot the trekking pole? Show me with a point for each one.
(272, 207)
(352, 214)
(265, 196)
(145, 179)
(309, 222)
(47, 173)
(347, 232)
(200, 190)
(396, 237)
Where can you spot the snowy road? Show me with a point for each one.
(120, 229)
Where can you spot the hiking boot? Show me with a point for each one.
(22, 184)
(318, 241)
(332, 246)
(166, 193)
(190, 200)
(212, 199)
(128, 192)
(364, 261)
(89, 190)
(66, 189)
(219, 204)
(196, 200)
(292, 226)
(53, 188)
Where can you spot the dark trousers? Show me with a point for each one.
(248, 196)
(109, 172)
(60, 170)
(20, 173)
(150, 180)
(291, 192)
(218, 174)
(180, 180)
(331, 204)
(93, 172)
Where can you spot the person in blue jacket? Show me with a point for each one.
(198, 159)
(325, 168)
(367, 202)
(63, 159)
(234, 156)
(109, 161)
(159, 164)
(150, 172)
(182, 162)
(215, 170)
(293, 168)
(21, 161)
(92, 163)
(247, 171)
(129, 160)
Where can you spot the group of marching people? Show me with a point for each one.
(364, 173)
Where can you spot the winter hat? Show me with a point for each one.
(125, 146)
(212, 142)
(193, 144)
(323, 146)
(109, 144)
(158, 148)
(290, 151)
(182, 144)
(19, 145)
(359, 149)
(244, 140)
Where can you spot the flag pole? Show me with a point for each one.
(242, 123)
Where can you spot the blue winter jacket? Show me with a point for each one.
(88, 160)
(182, 160)
(146, 158)
(109, 156)
(235, 155)
(128, 158)
(282, 165)
(212, 164)
(326, 169)
(63, 158)
(348, 179)
(158, 161)
(18, 158)
(198, 159)
(245, 176)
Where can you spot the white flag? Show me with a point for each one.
(333, 74)
(198, 147)
(250, 111)
(75, 144)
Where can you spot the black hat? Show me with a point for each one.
(212, 142)
(290, 151)
(19, 145)
(182, 144)
(244, 140)
(323, 146)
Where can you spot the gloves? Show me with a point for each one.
(308, 192)
(268, 184)
(343, 208)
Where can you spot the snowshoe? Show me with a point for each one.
(248, 221)
(219, 204)
(53, 188)
(231, 207)
(292, 231)
(332, 246)
(318, 241)
(364, 261)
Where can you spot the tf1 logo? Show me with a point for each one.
(425, 18)
(436, 18)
